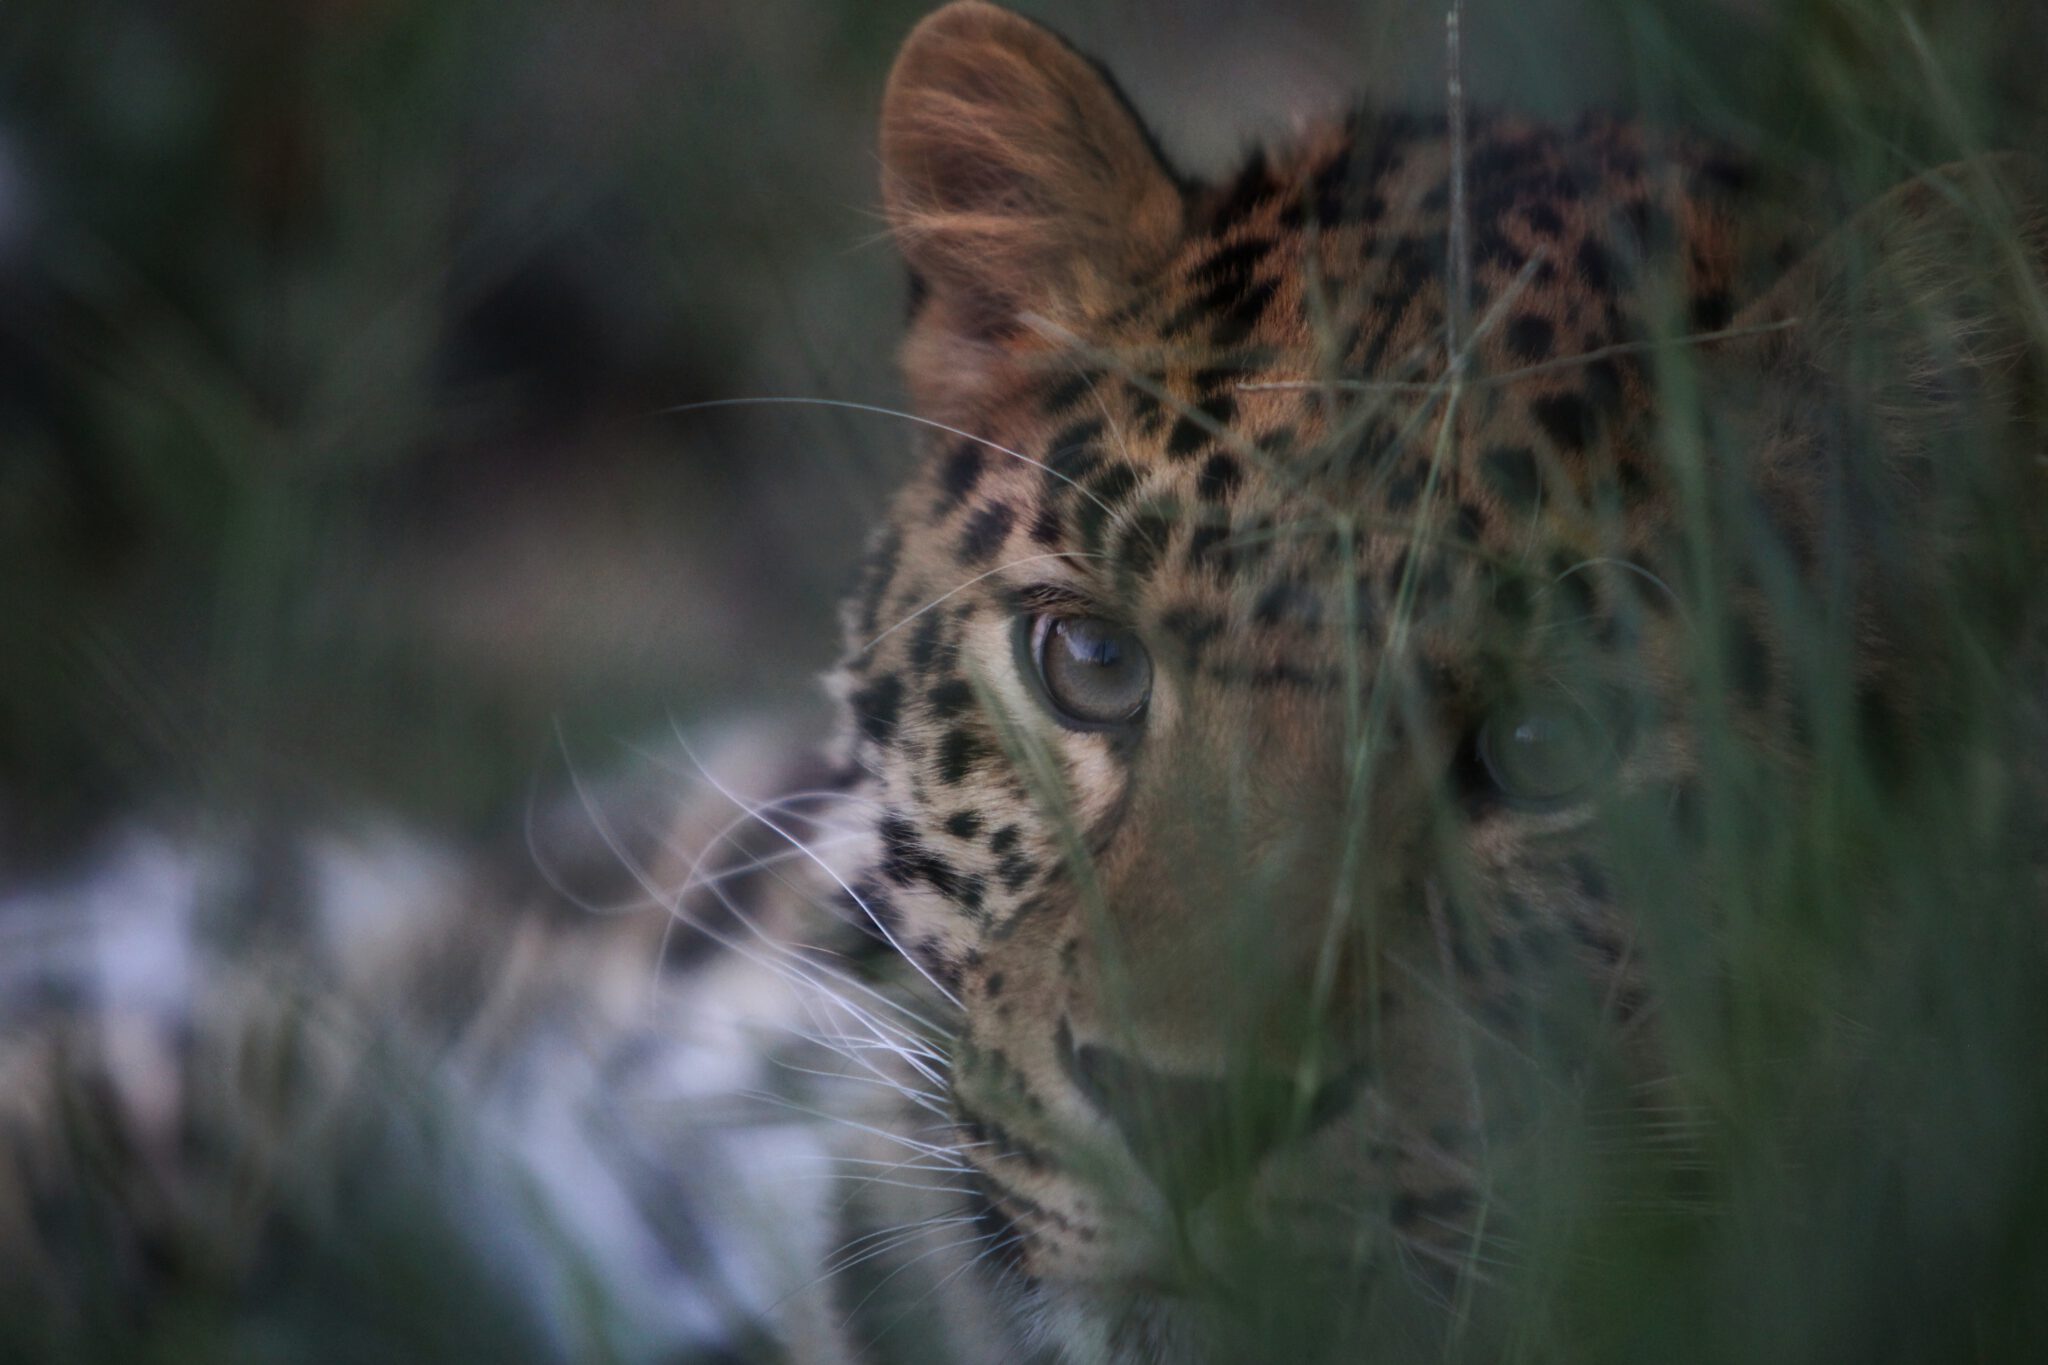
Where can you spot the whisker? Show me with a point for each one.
(851, 894)
(978, 1258)
(794, 969)
(905, 1234)
(862, 1182)
(854, 1311)
(907, 1164)
(1540, 367)
(857, 1051)
(879, 410)
(923, 1099)
(784, 1102)
(897, 1230)
(797, 969)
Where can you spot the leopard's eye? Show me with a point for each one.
(1096, 674)
(1546, 746)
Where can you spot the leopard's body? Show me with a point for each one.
(1371, 492)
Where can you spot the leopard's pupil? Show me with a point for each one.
(1095, 672)
(1545, 749)
(1090, 644)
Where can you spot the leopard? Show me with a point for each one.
(1316, 588)
(1219, 928)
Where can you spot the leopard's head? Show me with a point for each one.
(1309, 590)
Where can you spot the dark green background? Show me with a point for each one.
(335, 340)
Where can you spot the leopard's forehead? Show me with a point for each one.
(1288, 423)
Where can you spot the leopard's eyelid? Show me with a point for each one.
(1051, 599)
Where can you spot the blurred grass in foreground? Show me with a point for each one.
(332, 339)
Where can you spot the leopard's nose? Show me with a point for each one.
(1194, 1133)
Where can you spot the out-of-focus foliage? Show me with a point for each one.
(339, 347)
(335, 340)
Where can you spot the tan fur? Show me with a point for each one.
(1189, 906)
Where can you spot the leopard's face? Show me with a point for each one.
(1254, 680)
(1240, 794)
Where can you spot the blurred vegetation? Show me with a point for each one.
(337, 340)
(334, 343)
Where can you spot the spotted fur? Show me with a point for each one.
(1356, 465)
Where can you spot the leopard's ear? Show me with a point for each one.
(1916, 334)
(1884, 410)
(1016, 178)
(1934, 295)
